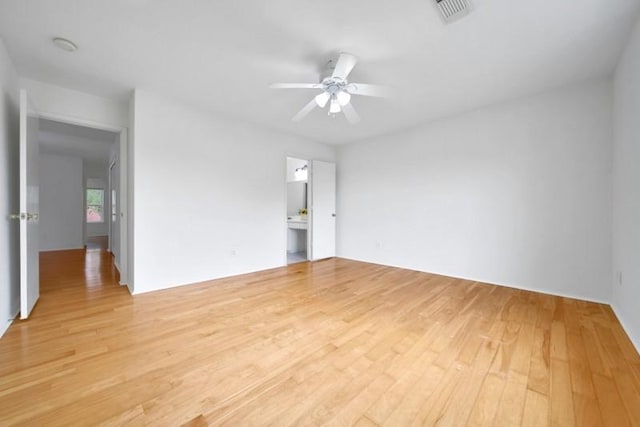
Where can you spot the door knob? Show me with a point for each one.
(33, 217)
(333, 215)
(18, 216)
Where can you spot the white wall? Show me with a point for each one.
(517, 194)
(61, 202)
(9, 195)
(97, 176)
(626, 189)
(292, 165)
(207, 188)
(71, 104)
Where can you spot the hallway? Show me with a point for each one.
(76, 271)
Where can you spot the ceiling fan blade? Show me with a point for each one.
(295, 86)
(368, 90)
(350, 113)
(305, 110)
(345, 64)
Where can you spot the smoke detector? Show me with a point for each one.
(452, 10)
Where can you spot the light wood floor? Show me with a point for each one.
(336, 342)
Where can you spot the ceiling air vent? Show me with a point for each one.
(452, 10)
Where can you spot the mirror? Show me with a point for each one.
(296, 197)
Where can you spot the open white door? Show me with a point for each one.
(29, 207)
(323, 210)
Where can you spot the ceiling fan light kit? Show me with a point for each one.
(322, 99)
(334, 108)
(336, 90)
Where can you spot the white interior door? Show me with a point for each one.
(323, 210)
(29, 207)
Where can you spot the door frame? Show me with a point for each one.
(123, 141)
(309, 212)
(112, 164)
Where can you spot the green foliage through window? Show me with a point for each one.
(95, 205)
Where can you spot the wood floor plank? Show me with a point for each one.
(536, 410)
(609, 401)
(332, 342)
(464, 395)
(436, 406)
(629, 393)
(407, 409)
(511, 407)
(539, 368)
(587, 411)
(579, 365)
(558, 340)
(562, 412)
(486, 404)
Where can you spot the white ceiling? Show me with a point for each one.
(93, 145)
(221, 55)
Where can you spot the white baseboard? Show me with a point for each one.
(631, 333)
(73, 248)
(504, 285)
(634, 335)
(3, 328)
(121, 282)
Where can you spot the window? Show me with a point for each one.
(95, 205)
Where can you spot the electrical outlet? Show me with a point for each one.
(378, 244)
(620, 278)
(234, 252)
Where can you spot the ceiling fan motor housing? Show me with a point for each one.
(333, 85)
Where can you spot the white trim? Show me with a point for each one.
(123, 141)
(126, 255)
(110, 216)
(635, 340)
(286, 214)
(6, 326)
(286, 204)
(471, 279)
(204, 281)
(80, 122)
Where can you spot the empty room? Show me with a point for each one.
(419, 212)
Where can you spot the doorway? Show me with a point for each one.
(54, 219)
(76, 168)
(75, 189)
(297, 210)
(104, 152)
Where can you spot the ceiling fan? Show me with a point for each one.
(336, 90)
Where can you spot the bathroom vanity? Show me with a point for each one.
(297, 233)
